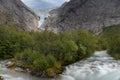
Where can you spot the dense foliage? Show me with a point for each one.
(48, 51)
(111, 38)
(45, 51)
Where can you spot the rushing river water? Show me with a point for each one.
(98, 67)
(8, 74)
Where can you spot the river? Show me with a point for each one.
(100, 66)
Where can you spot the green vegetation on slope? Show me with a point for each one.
(45, 51)
(48, 51)
(111, 38)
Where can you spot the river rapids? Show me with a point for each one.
(100, 66)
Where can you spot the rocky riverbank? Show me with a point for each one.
(1, 78)
(20, 67)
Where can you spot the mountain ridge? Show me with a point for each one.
(16, 12)
(92, 15)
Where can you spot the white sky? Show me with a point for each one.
(43, 3)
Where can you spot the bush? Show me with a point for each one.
(43, 50)
(51, 60)
(112, 36)
(41, 63)
(85, 41)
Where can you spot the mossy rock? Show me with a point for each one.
(1, 78)
(12, 64)
(51, 72)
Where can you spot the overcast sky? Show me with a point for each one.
(43, 3)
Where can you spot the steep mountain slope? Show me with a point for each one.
(14, 11)
(92, 15)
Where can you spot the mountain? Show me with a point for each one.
(17, 13)
(91, 15)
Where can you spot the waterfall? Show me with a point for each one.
(42, 13)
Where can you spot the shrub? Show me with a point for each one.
(43, 50)
(112, 36)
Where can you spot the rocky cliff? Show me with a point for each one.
(92, 15)
(15, 12)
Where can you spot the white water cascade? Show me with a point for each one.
(9, 74)
(42, 13)
(98, 67)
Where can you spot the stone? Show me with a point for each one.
(17, 13)
(92, 15)
(1, 78)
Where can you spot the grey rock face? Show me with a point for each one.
(19, 14)
(92, 15)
